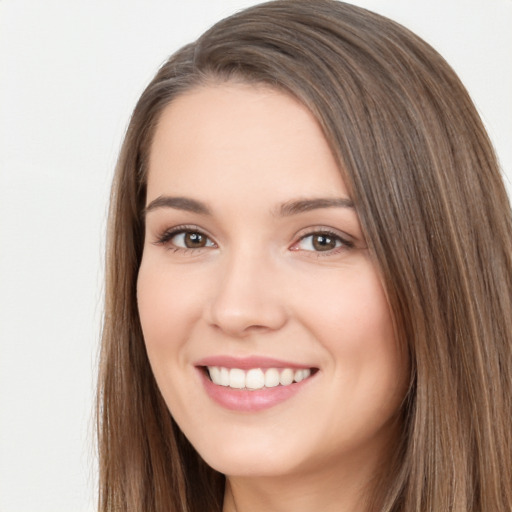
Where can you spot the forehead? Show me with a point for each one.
(240, 138)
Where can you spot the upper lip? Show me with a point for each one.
(246, 363)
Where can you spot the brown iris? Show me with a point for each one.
(323, 242)
(194, 240)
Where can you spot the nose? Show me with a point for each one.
(247, 297)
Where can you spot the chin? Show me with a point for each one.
(251, 459)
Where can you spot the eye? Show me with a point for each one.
(191, 240)
(322, 241)
(182, 238)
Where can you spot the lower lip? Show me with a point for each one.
(245, 400)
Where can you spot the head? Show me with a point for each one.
(421, 173)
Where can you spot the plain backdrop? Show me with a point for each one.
(70, 73)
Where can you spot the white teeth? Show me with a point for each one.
(298, 376)
(271, 378)
(256, 378)
(236, 378)
(301, 375)
(286, 377)
(215, 374)
(224, 377)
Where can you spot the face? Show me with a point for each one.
(264, 317)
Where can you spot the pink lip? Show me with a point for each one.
(244, 400)
(246, 363)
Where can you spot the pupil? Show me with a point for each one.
(194, 240)
(323, 243)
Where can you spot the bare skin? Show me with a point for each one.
(254, 253)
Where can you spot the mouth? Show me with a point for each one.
(254, 379)
(255, 383)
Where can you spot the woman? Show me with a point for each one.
(308, 278)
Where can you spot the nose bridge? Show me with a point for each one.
(246, 296)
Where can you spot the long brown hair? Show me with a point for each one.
(428, 191)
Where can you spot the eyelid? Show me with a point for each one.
(347, 241)
(164, 237)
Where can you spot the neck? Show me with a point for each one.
(329, 491)
(347, 483)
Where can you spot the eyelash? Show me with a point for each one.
(342, 244)
(166, 237)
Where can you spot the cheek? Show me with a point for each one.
(168, 303)
(168, 307)
(350, 317)
(349, 311)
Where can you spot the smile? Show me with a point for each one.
(256, 378)
(253, 384)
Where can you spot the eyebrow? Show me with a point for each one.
(305, 205)
(285, 210)
(178, 203)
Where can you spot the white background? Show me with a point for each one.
(70, 73)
